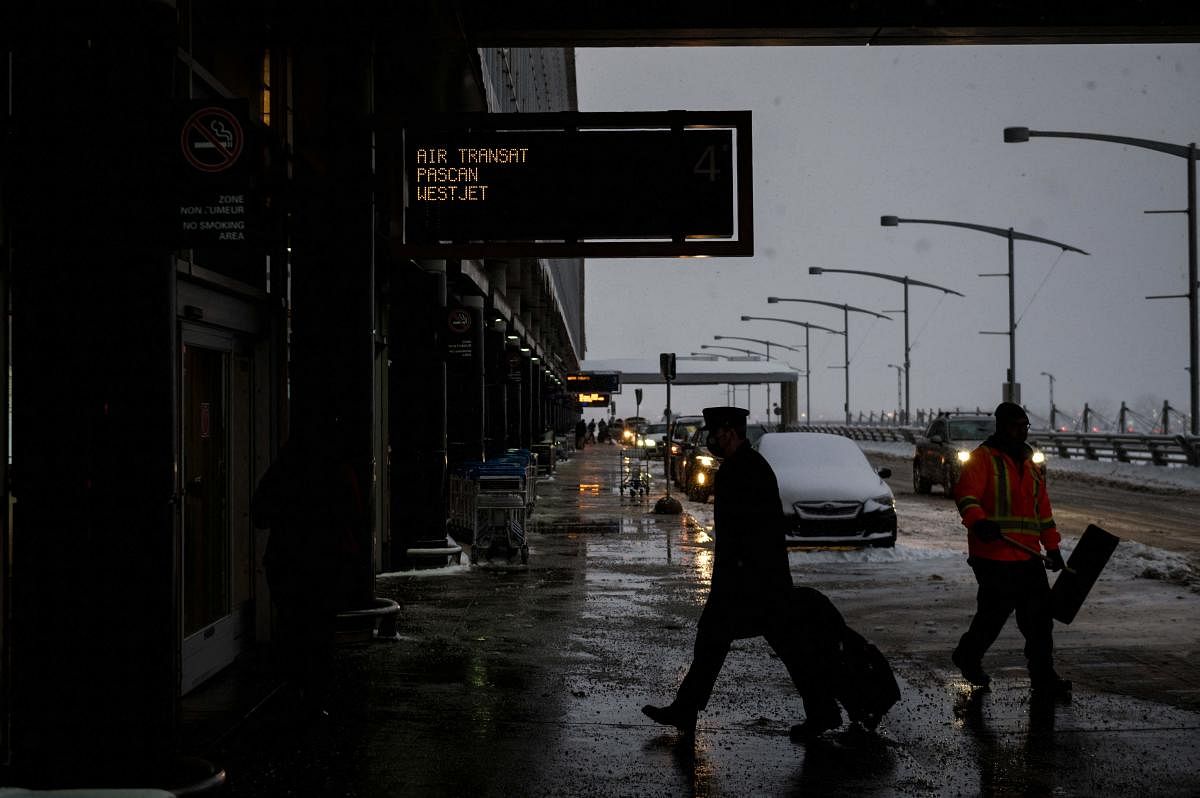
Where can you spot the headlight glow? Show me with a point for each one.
(701, 478)
(1038, 458)
(963, 455)
(879, 504)
(704, 460)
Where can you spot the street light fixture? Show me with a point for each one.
(732, 349)
(807, 368)
(907, 281)
(1053, 426)
(1012, 389)
(767, 344)
(743, 351)
(1188, 153)
(845, 333)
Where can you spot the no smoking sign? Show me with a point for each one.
(212, 139)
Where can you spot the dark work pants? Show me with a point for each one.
(1005, 587)
(807, 663)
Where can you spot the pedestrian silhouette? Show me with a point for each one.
(311, 500)
(580, 433)
(751, 589)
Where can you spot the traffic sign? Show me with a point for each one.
(212, 139)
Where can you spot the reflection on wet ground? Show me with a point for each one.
(528, 681)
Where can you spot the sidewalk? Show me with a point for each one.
(521, 681)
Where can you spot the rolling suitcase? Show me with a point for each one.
(1086, 562)
(863, 682)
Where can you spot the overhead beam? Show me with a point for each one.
(552, 23)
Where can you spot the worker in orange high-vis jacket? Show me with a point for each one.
(1002, 498)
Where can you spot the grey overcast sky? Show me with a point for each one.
(844, 135)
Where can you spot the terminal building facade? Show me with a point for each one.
(200, 206)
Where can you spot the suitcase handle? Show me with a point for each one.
(1033, 551)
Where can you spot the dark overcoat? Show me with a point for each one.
(750, 566)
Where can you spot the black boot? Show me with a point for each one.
(972, 670)
(672, 715)
(814, 726)
(1050, 685)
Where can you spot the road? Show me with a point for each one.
(1155, 517)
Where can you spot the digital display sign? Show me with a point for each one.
(594, 382)
(593, 399)
(577, 184)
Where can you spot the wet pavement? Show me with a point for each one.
(528, 680)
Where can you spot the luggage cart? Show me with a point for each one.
(489, 502)
(500, 527)
(634, 478)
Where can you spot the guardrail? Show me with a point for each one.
(1163, 450)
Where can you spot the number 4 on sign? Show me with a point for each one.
(707, 164)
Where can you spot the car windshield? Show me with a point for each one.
(972, 429)
(655, 429)
(685, 430)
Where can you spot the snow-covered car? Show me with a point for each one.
(831, 494)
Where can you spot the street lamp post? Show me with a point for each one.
(743, 351)
(899, 369)
(1012, 389)
(1053, 426)
(907, 281)
(807, 367)
(845, 332)
(768, 345)
(1188, 153)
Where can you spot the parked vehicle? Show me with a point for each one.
(944, 448)
(830, 493)
(696, 470)
(696, 466)
(682, 430)
(653, 439)
(630, 428)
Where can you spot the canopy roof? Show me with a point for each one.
(643, 371)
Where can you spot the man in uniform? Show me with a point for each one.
(751, 585)
(1002, 494)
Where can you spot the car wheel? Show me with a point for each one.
(948, 480)
(920, 484)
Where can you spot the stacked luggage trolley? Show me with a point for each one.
(634, 477)
(490, 501)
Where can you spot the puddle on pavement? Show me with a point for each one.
(613, 526)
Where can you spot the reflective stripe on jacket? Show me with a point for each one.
(1013, 495)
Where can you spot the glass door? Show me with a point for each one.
(216, 551)
(206, 538)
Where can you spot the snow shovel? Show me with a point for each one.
(1030, 550)
(1083, 568)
